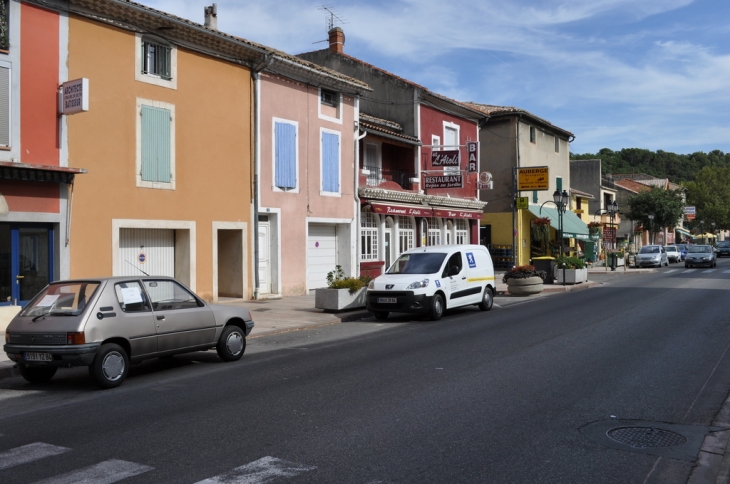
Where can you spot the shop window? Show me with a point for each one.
(462, 231)
(406, 234)
(368, 236)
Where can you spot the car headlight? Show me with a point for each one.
(371, 284)
(418, 284)
(656, 257)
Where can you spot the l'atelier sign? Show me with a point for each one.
(450, 181)
(401, 210)
(445, 158)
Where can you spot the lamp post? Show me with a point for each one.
(561, 202)
(651, 228)
(612, 210)
(714, 237)
(702, 231)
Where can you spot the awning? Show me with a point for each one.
(704, 236)
(41, 173)
(682, 231)
(573, 226)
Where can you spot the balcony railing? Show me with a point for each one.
(378, 175)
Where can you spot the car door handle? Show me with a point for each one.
(463, 278)
(160, 318)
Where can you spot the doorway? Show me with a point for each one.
(26, 261)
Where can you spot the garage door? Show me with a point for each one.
(148, 250)
(321, 254)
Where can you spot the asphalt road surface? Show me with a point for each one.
(522, 394)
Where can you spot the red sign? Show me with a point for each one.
(409, 210)
(609, 233)
(448, 213)
(445, 158)
(472, 152)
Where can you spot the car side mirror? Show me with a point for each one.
(454, 270)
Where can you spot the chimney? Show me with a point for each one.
(211, 17)
(337, 40)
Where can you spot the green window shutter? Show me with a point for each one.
(156, 156)
(559, 183)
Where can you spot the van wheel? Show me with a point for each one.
(437, 307)
(381, 315)
(487, 300)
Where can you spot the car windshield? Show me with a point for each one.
(700, 248)
(420, 263)
(724, 244)
(670, 248)
(648, 249)
(62, 299)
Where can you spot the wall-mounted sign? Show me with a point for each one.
(689, 211)
(485, 181)
(523, 203)
(445, 158)
(472, 153)
(534, 178)
(74, 96)
(449, 181)
(388, 209)
(142, 257)
(450, 213)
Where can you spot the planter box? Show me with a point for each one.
(525, 287)
(338, 299)
(572, 276)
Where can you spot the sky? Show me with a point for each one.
(651, 74)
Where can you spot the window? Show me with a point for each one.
(462, 231)
(155, 145)
(330, 163)
(4, 103)
(329, 105)
(131, 297)
(406, 234)
(328, 98)
(455, 262)
(533, 135)
(434, 232)
(285, 155)
(4, 22)
(557, 144)
(368, 236)
(155, 61)
(374, 164)
(451, 141)
(169, 295)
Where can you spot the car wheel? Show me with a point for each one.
(381, 315)
(110, 366)
(37, 375)
(487, 299)
(232, 343)
(437, 307)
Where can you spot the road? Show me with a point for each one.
(520, 394)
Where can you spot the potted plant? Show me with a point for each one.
(540, 232)
(570, 270)
(595, 228)
(524, 280)
(341, 292)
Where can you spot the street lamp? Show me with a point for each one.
(713, 233)
(561, 202)
(651, 232)
(612, 210)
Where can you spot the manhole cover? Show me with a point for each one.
(643, 437)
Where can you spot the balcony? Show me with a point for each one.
(378, 175)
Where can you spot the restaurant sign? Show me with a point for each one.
(445, 158)
(449, 213)
(448, 181)
(534, 178)
(413, 211)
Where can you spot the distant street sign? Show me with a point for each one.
(523, 203)
(534, 178)
(689, 211)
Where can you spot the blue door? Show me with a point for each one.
(26, 261)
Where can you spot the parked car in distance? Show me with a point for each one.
(108, 323)
(723, 248)
(652, 256)
(700, 255)
(673, 254)
(430, 280)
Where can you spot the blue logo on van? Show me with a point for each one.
(470, 260)
(438, 283)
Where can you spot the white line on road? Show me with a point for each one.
(688, 270)
(29, 453)
(106, 472)
(670, 271)
(709, 270)
(259, 472)
(726, 272)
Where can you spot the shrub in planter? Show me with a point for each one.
(341, 292)
(336, 280)
(569, 262)
(524, 280)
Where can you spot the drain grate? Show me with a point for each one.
(644, 437)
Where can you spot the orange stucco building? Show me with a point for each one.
(167, 144)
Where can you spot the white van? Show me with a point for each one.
(429, 280)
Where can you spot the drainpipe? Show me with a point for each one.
(358, 138)
(514, 194)
(266, 62)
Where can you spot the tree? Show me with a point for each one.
(666, 205)
(709, 193)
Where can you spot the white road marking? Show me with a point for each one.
(709, 270)
(29, 453)
(5, 394)
(106, 472)
(670, 271)
(726, 272)
(688, 270)
(261, 471)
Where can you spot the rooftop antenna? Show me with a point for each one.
(332, 16)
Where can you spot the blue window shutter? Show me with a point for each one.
(330, 162)
(285, 156)
(156, 144)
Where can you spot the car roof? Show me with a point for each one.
(443, 248)
(112, 279)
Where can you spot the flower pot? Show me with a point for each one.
(525, 287)
(572, 276)
(338, 299)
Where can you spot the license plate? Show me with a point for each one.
(387, 300)
(38, 357)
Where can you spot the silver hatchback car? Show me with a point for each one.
(106, 323)
(652, 255)
(700, 255)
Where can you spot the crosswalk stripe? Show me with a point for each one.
(259, 472)
(688, 270)
(726, 272)
(105, 472)
(670, 271)
(29, 453)
(709, 270)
